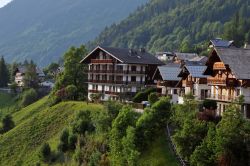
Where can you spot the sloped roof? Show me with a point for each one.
(185, 56)
(170, 72)
(22, 69)
(129, 56)
(197, 71)
(221, 43)
(238, 60)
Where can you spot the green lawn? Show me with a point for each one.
(159, 154)
(37, 124)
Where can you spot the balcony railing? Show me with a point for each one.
(216, 81)
(222, 81)
(105, 61)
(112, 93)
(115, 71)
(117, 82)
(219, 66)
(94, 91)
(222, 97)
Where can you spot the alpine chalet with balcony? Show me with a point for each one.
(119, 73)
(230, 77)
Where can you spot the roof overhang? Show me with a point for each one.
(99, 47)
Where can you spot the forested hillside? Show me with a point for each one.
(43, 30)
(178, 24)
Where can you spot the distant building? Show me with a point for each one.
(48, 84)
(193, 81)
(118, 73)
(167, 78)
(165, 56)
(220, 43)
(20, 73)
(183, 57)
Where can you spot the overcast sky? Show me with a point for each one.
(4, 2)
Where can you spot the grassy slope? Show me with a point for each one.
(159, 154)
(36, 124)
(7, 103)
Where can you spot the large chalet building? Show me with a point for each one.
(118, 73)
(229, 70)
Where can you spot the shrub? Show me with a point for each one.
(153, 97)
(82, 123)
(96, 97)
(7, 123)
(72, 141)
(143, 95)
(71, 91)
(45, 152)
(210, 104)
(29, 97)
(64, 144)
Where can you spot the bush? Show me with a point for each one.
(29, 97)
(7, 123)
(210, 104)
(71, 91)
(72, 141)
(45, 152)
(143, 95)
(153, 97)
(64, 144)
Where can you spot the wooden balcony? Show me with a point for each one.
(219, 66)
(136, 83)
(216, 81)
(222, 81)
(94, 91)
(101, 61)
(220, 97)
(112, 93)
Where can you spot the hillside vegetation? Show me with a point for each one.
(44, 30)
(178, 24)
(35, 125)
(38, 124)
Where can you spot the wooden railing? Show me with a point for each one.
(219, 66)
(102, 61)
(112, 93)
(216, 81)
(222, 81)
(222, 97)
(94, 91)
(115, 71)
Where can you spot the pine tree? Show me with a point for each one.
(4, 74)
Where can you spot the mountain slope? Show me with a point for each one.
(43, 30)
(173, 24)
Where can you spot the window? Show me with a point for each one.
(133, 68)
(119, 68)
(238, 92)
(175, 92)
(133, 78)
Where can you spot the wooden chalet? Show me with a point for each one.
(193, 80)
(167, 78)
(119, 73)
(229, 70)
